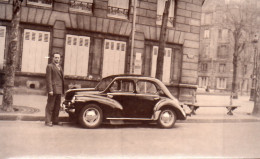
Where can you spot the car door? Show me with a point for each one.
(122, 90)
(146, 98)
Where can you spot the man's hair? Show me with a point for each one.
(56, 53)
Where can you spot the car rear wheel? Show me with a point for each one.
(90, 116)
(167, 118)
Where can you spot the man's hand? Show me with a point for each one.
(51, 93)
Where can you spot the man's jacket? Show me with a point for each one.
(54, 79)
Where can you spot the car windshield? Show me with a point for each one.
(102, 85)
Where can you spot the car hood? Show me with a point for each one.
(82, 91)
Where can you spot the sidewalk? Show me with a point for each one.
(33, 109)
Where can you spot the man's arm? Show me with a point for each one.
(49, 79)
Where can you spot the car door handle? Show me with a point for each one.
(156, 98)
(110, 96)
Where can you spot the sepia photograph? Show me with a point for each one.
(129, 79)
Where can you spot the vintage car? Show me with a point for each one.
(124, 98)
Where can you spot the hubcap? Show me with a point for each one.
(91, 116)
(167, 117)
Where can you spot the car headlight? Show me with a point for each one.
(73, 99)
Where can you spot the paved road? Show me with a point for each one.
(19, 138)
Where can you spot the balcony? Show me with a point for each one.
(159, 20)
(81, 6)
(41, 3)
(116, 12)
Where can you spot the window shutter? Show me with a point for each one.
(76, 55)
(35, 51)
(2, 45)
(114, 58)
(154, 60)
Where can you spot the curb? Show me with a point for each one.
(66, 119)
(28, 118)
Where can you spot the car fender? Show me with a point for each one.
(99, 99)
(167, 102)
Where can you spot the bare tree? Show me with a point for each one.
(7, 103)
(159, 67)
(239, 19)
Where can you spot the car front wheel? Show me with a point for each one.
(90, 116)
(167, 118)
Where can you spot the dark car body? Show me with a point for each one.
(124, 97)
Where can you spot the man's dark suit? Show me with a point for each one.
(55, 84)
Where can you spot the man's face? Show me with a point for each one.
(56, 58)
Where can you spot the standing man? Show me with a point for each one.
(55, 88)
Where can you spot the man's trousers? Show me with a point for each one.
(52, 108)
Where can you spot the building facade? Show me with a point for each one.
(217, 48)
(95, 40)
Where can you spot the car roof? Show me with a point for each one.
(132, 76)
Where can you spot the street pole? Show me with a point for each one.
(256, 110)
(133, 38)
(253, 76)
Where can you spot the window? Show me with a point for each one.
(114, 57)
(122, 86)
(166, 64)
(145, 87)
(2, 45)
(222, 51)
(118, 8)
(42, 3)
(204, 67)
(76, 55)
(206, 34)
(160, 10)
(220, 33)
(84, 6)
(205, 51)
(244, 70)
(221, 83)
(203, 82)
(222, 68)
(35, 51)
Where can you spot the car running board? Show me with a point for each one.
(129, 118)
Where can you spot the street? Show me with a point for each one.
(33, 139)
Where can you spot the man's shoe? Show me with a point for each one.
(49, 124)
(57, 123)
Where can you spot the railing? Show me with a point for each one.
(43, 3)
(81, 6)
(117, 12)
(159, 20)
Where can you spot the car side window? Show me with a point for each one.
(122, 86)
(146, 87)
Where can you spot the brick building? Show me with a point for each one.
(94, 37)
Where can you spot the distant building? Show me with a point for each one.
(94, 37)
(216, 51)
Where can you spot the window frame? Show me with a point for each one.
(222, 68)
